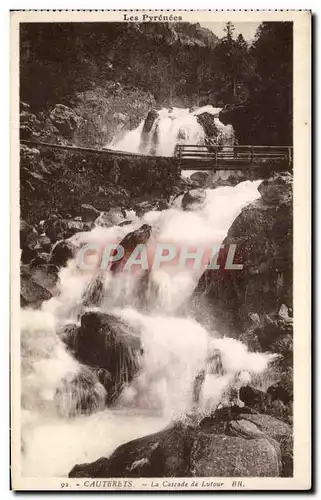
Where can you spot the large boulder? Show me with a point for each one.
(236, 445)
(232, 456)
(106, 342)
(164, 454)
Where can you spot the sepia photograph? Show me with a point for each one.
(155, 319)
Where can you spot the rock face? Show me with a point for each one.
(262, 234)
(256, 301)
(238, 444)
(208, 123)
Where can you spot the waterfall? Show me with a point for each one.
(175, 349)
(171, 127)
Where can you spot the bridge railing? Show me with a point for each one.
(237, 154)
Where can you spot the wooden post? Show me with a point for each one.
(289, 155)
(215, 156)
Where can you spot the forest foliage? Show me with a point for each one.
(178, 64)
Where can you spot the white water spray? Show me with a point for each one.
(175, 349)
(171, 127)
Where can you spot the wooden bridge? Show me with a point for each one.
(210, 157)
(196, 157)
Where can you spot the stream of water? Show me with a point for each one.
(175, 347)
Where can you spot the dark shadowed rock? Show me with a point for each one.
(89, 213)
(165, 454)
(106, 342)
(150, 119)
(55, 228)
(236, 444)
(255, 399)
(32, 294)
(193, 198)
(208, 123)
(129, 243)
(61, 253)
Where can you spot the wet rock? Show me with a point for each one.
(32, 294)
(94, 293)
(113, 217)
(231, 456)
(61, 253)
(45, 275)
(129, 243)
(164, 454)
(89, 213)
(105, 341)
(207, 121)
(68, 334)
(150, 119)
(193, 199)
(82, 394)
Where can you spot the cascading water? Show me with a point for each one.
(171, 127)
(175, 349)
